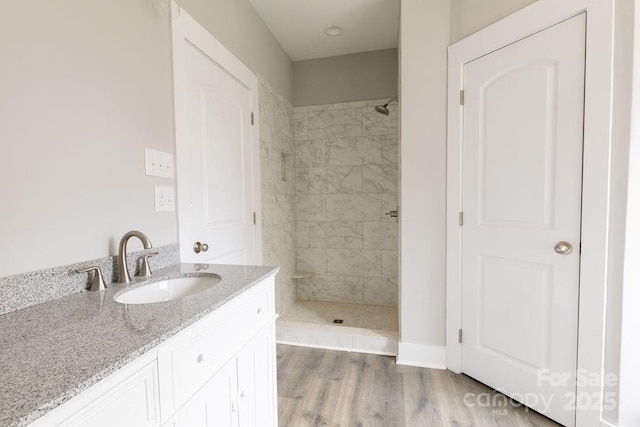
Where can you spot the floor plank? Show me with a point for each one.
(330, 388)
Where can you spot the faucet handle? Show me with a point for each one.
(97, 283)
(145, 270)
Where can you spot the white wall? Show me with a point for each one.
(629, 410)
(237, 25)
(469, 16)
(85, 86)
(623, 65)
(424, 37)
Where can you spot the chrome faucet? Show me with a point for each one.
(123, 270)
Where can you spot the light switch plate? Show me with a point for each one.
(158, 163)
(165, 199)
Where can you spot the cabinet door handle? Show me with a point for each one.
(202, 357)
(259, 310)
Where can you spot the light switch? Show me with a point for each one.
(165, 199)
(158, 163)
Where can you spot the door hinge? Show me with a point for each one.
(460, 219)
(460, 336)
(255, 218)
(462, 97)
(252, 119)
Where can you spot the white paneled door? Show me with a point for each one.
(522, 184)
(216, 150)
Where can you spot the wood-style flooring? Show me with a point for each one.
(330, 388)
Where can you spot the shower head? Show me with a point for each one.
(382, 109)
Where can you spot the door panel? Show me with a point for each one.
(216, 153)
(522, 184)
(515, 301)
(518, 142)
(223, 128)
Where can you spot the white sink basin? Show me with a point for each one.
(167, 290)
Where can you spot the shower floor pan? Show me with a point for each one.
(364, 328)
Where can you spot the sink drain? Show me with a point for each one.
(339, 321)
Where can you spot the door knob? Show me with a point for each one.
(563, 248)
(200, 247)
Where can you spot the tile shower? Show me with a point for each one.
(346, 186)
(329, 183)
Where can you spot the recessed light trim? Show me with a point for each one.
(333, 31)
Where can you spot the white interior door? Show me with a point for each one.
(216, 150)
(522, 184)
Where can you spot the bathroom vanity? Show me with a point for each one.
(203, 360)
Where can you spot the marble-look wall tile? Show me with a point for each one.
(343, 179)
(278, 208)
(335, 235)
(300, 123)
(389, 203)
(380, 101)
(306, 109)
(354, 262)
(353, 151)
(268, 175)
(310, 152)
(311, 207)
(313, 260)
(302, 180)
(380, 235)
(379, 124)
(335, 123)
(353, 207)
(346, 175)
(290, 241)
(390, 149)
(302, 234)
(341, 106)
(278, 187)
(380, 291)
(390, 264)
(318, 180)
(380, 179)
(332, 288)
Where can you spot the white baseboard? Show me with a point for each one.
(423, 356)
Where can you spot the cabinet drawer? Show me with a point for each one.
(194, 362)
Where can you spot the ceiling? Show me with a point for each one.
(299, 25)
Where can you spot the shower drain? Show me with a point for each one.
(338, 321)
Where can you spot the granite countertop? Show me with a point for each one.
(51, 352)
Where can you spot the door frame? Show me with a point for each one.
(597, 168)
(186, 29)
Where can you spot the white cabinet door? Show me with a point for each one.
(132, 403)
(242, 394)
(522, 178)
(217, 151)
(215, 404)
(256, 381)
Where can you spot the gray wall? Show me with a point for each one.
(469, 16)
(85, 86)
(237, 25)
(355, 77)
